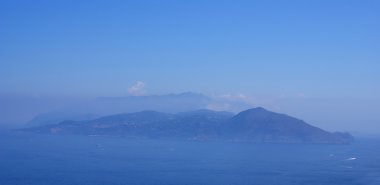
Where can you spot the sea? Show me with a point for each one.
(36, 159)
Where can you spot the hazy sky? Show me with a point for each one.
(297, 49)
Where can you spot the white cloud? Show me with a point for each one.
(232, 102)
(137, 89)
(239, 97)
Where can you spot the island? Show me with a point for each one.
(256, 125)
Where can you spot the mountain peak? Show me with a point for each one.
(257, 109)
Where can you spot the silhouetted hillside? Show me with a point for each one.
(253, 125)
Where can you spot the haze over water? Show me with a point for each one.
(317, 61)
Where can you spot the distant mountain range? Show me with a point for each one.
(171, 103)
(253, 125)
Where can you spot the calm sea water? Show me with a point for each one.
(28, 159)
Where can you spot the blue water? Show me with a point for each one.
(29, 159)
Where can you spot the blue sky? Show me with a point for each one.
(321, 49)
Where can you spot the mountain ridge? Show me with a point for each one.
(103, 106)
(252, 125)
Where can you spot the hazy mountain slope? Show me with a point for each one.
(99, 107)
(194, 124)
(253, 125)
(261, 125)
